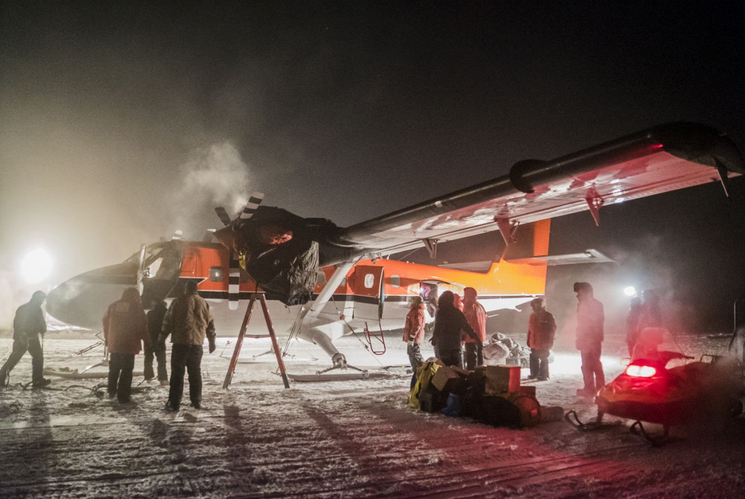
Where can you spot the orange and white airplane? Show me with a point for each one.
(324, 281)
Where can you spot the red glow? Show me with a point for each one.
(657, 146)
(641, 371)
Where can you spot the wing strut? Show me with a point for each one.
(594, 202)
(507, 228)
(431, 245)
(723, 177)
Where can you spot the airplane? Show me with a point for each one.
(323, 281)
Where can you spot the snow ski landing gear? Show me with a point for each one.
(572, 418)
(655, 441)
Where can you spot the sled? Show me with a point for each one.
(320, 378)
(67, 373)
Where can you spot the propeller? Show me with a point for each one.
(234, 275)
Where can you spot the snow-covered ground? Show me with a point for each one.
(338, 439)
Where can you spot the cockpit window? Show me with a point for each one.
(151, 253)
(162, 260)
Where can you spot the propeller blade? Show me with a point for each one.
(223, 215)
(234, 282)
(251, 206)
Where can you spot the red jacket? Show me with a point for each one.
(476, 316)
(125, 324)
(541, 330)
(414, 328)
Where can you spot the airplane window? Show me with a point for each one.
(369, 281)
(216, 274)
(151, 252)
(395, 281)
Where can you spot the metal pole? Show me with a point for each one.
(239, 343)
(275, 345)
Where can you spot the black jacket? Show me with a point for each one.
(29, 321)
(449, 322)
(155, 321)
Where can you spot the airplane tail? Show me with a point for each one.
(514, 273)
(530, 240)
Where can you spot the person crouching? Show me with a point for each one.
(124, 327)
(541, 331)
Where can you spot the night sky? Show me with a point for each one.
(121, 122)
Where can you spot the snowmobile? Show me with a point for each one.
(649, 391)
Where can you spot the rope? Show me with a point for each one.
(354, 333)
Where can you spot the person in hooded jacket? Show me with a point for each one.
(590, 321)
(449, 323)
(124, 328)
(476, 316)
(28, 326)
(414, 332)
(157, 350)
(541, 332)
(188, 320)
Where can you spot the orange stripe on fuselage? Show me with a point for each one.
(502, 278)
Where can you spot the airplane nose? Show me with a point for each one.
(83, 300)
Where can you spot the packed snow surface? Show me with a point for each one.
(336, 439)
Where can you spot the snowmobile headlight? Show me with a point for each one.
(640, 371)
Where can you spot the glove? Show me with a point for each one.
(411, 343)
(213, 347)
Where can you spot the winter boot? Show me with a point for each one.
(41, 383)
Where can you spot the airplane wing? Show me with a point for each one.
(282, 251)
(657, 160)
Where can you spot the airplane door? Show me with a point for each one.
(367, 285)
(162, 275)
(428, 290)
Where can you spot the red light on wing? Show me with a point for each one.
(657, 146)
(640, 371)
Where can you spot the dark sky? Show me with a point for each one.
(120, 122)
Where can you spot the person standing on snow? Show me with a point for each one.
(124, 327)
(651, 313)
(189, 320)
(449, 323)
(541, 332)
(476, 316)
(590, 319)
(414, 332)
(632, 324)
(157, 350)
(28, 326)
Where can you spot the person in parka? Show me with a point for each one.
(28, 326)
(449, 323)
(541, 332)
(590, 320)
(124, 328)
(414, 332)
(476, 316)
(188, 321)
(156, 350)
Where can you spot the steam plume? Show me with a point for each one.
(213, 176)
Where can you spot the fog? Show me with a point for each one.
(120, 123)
